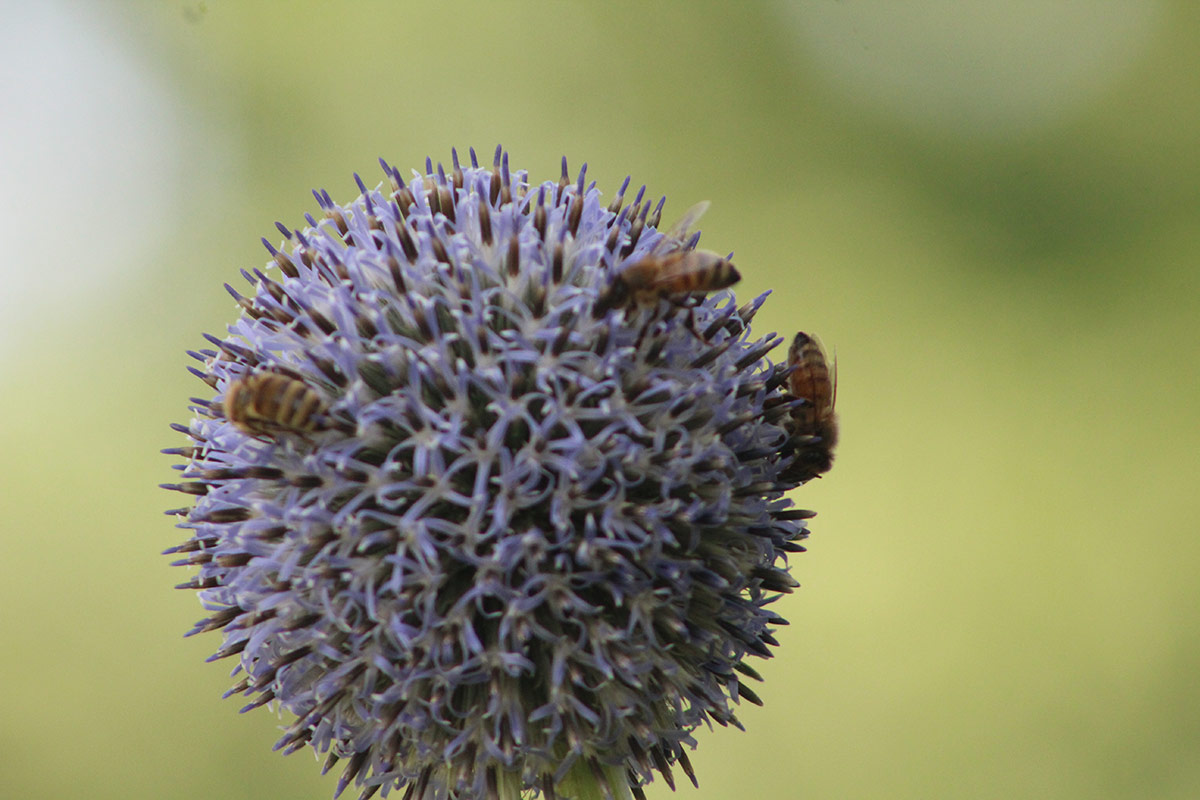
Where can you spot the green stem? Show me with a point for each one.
(580, 784)
(509, 785)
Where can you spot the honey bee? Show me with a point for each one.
(670, 271)
(813, 426)
(265, 403)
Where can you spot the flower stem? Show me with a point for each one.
(583, 783)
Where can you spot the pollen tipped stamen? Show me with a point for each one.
(663, 766)
(457, 172)
(188, 487)
(407, 245)
(635, 234)
(539, 216)
(656, 216)
(485, 224)
(446, 204)
(574, 215)
(513, 260)
(357, 762)
(233, 351)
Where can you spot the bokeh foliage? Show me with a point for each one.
(999, 598)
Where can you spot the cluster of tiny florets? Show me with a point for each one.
(476, 529)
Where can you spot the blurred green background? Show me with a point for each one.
(990, 211)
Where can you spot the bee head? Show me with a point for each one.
(615, 295)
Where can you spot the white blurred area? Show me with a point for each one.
(967, 69)
(96, 158)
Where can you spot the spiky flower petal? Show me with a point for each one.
(480, 528)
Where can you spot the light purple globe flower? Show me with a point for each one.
(521, 539)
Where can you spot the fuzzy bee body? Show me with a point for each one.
(270, 403)
(813, 426)
(670, 272)
(674, 276)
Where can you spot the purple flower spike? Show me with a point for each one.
(489, 488)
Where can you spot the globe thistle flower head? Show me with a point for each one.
(483, 515)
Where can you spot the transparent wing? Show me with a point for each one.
(676, 237)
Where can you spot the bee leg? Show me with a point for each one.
(651, 319)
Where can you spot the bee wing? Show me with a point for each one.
(682, 227)
(831, 365)
(833, 380)
(675, 237)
